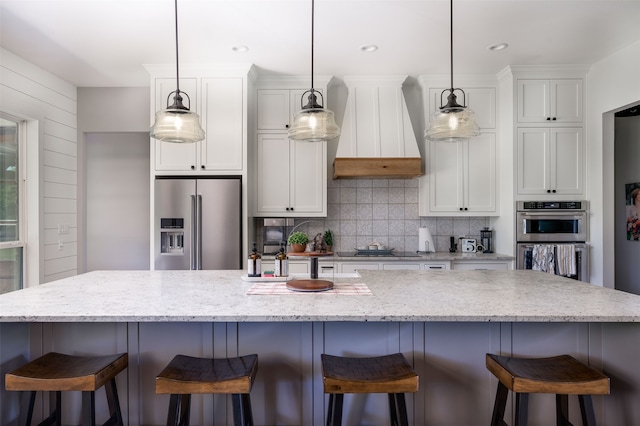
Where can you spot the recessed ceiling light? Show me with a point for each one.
(240, 49)
(499, 46)
(369, 48)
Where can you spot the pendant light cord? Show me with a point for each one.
(177, 67)
(451, 44)
(312, 32)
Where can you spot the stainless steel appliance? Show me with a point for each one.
(274, 233)
(198, 223)
(552, 222)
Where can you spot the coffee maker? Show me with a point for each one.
(486, 240)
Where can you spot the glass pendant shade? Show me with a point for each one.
(178, 126)
(314, 125)
(452, 126)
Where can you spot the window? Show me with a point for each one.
(11, 198)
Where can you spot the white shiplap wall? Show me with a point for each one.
(29, 92)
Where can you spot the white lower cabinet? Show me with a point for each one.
(402, 266)
(436, 265)
(482, 265)
(348, 267)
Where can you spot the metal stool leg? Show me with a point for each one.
(400, 409)
(242, 414)
(522, 409)
(27, 401)
(562, 410)
(497, 418)
(114, 404)
(586, 409)
(89, 408)
(334, 415)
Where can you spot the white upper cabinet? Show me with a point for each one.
(550, 101)
(463, 177)
(550, 161)
(291, 177)
(276, 108)
(221, 102)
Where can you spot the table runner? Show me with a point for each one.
(353, 289)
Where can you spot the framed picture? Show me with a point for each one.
(632, 191)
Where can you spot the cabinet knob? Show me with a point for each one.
(466, 209)
(460, 208)
(193, 167)
(202, 167)
(554, 118)
(286, 126)
(548, 118)
(554, 191)
(548, 191)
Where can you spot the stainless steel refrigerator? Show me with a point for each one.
(198, 223)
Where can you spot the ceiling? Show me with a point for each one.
(105, 43)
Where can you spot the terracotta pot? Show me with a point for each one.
(298, 248)
(329, 248)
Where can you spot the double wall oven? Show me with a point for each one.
(552, 223)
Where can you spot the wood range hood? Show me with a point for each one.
(377, 139)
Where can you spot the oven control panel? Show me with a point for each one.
(551, 205)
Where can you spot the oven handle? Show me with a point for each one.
(552, 215)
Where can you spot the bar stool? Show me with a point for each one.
(390, 374)
(186, 375)
(55, 372)
(560, 375)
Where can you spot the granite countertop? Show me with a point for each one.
(418, 257)
(207, 296)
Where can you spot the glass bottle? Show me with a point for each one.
(255, 263)
(282, 264)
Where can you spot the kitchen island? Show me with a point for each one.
(443, 321)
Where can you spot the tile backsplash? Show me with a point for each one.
(361, 211)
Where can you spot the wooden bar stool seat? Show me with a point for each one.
(186, 375)
(560, 375)
(55, 372)
(390, 374)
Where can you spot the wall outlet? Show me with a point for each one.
(63, 229)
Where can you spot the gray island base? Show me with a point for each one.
(443, 321)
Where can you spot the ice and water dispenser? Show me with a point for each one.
(172, 235)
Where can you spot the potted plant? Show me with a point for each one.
(328, 239)
(298, 241)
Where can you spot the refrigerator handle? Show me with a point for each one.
(194, 235)
(199, 247)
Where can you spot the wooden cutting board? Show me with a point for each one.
(309, 285)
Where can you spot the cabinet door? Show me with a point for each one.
(567, 160)
(550, 101)
(566, 100)
(273, 174)
(481, 266)
(533, 101)
(533, 161)
(273, 109)
(445, 176)
(223, 122)
(480, 173)
(353, 267)
(176, 156)
(308, 178)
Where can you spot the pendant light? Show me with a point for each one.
(177, 123)
(454, 122)
(313, 123)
